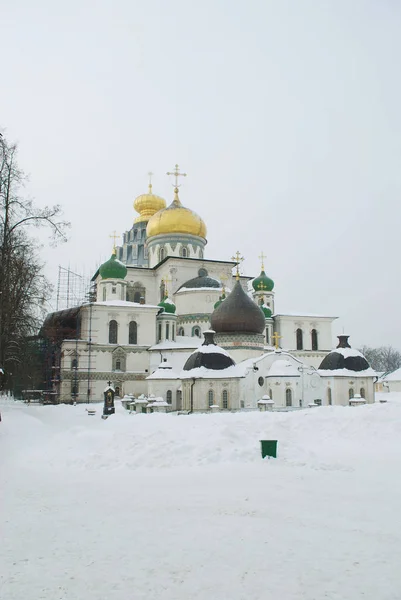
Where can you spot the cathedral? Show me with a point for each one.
(173, 330)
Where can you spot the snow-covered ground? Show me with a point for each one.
(183, 507)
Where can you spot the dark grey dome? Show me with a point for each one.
(238, 314)
(344, 357)
(202, 281)
(209, 356)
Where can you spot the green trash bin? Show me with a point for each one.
(268, 448)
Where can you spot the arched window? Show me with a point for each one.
(288, 397)
(172, 332)
(196, 332)
(167, 331)
(362, 392)
(329, 397)
(169, 397)
(74, 364)
(114, 289)
(137, 297)
(300, 341)
(224, 397)
(104, 294)
(350, 393)
(161, 254)
(184, 252)
(181, 331)
(159, 334)
(267, 336)
(113, 332)
(135, 233)
(133, 333)
(210, 396)
(270, 394)
(314, 339)
(118, 365)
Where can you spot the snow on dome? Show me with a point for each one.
(209, 356)
(344, 358)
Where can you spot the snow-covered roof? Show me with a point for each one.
(109, 387)
(182, 342)
(200, 289)
(162, 373)
(306, 316)
(394, 376)
(203, 373)
(283, 368)
(346, 373)
(125, 303)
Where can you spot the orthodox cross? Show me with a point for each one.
(115, 237)
(109, 383)
(176, 173)
(238, 259)
(223, 280)
(262, 259)
(150, 174)
(166, 281)
(276, 337)
(261, 285)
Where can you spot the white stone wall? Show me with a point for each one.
(340, 387)
(287, 326)
(196, 301)
(145, 317)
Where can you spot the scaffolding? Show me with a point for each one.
(72, 289)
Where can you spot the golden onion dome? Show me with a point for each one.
(147, 205)
(176, 219)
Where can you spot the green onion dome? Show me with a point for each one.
(167, 305)
(266, 311)
(113, 269)
(220, 300)
(263, 283)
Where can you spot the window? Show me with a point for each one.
(172, 332)
(113, 332)
(181, 331)
(159, 336)
(210, 396)
(74, 390)
(133, 333)
(288, 397)
(329, 397)
(74, 364)
(137, 297)
(184, 252)
(314, 339)
(169, 397)
(242, 404)
(195, 332)
(270, 394)
(135, 233)
(267, 336)
(113, 289)
(167, 331)
(261, 381)
(161, 254)
(104, 294)
(350, 393)
(118, 365)
(362, 392)
(225, 398)
(300, 342)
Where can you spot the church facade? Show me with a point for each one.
(152, 303)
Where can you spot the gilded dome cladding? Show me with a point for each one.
(176, 219)
(147, 205)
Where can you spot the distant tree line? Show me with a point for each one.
(384, 358)
(24, 289)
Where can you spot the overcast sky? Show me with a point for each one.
(285, 115)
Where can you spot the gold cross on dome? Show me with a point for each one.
(261, 286)
(166, 281)
(115, 237)
(223, 278)
(262, 259)
(150, 175)
(276, 337)
(176, 173)
(238, 259)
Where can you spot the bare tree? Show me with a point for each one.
(384, 358)
(23, 288)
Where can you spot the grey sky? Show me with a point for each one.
(285, 115)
